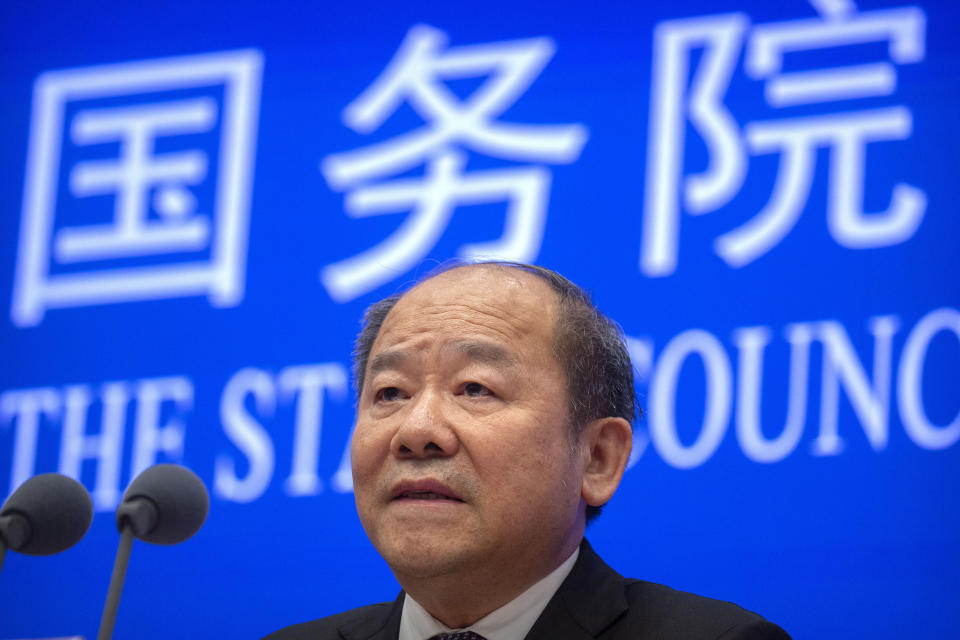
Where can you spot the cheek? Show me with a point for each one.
(364, 464)
(523, 463)
(367, 448)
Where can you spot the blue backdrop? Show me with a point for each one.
(202, 199)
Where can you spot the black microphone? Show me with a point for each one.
(166, 504)
(47, 514)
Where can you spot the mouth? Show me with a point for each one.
(426, 490)
(425, 495)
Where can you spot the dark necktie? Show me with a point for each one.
(459, 635)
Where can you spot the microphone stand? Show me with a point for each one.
(161, 489)
(14, 533)
(116, 584)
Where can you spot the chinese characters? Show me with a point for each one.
(452, 127)
(846, 134)
(152, 237)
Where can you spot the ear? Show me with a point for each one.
(606, 444)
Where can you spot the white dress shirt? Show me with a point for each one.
(512, 621)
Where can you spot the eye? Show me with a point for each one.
(388, 394)
(476, 390)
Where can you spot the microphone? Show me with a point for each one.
(166, 504)
(47, 514)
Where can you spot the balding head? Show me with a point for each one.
(589, 346)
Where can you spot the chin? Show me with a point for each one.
(423, 558)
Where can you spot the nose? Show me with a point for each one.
(425, 431)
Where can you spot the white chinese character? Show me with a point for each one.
(155, 211)
(796, 140)
(416, 75)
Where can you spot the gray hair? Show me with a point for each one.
(589, 346)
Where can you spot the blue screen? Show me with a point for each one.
(203, 198)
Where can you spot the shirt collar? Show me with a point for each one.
(512, 621)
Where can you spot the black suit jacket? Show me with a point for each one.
(594, 602)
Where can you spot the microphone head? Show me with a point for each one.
(58, 511)
(179, 498)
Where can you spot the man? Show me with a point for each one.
(494, 418)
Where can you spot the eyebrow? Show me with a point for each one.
(385, 361)
(484, 352)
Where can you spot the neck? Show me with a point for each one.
(459, 599)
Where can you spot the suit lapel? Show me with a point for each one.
(380, 627)
(588, 601)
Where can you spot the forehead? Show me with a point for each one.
(502, 304)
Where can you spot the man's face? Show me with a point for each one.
(462, 461)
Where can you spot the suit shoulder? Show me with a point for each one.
(328, 628)
(686, 615)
